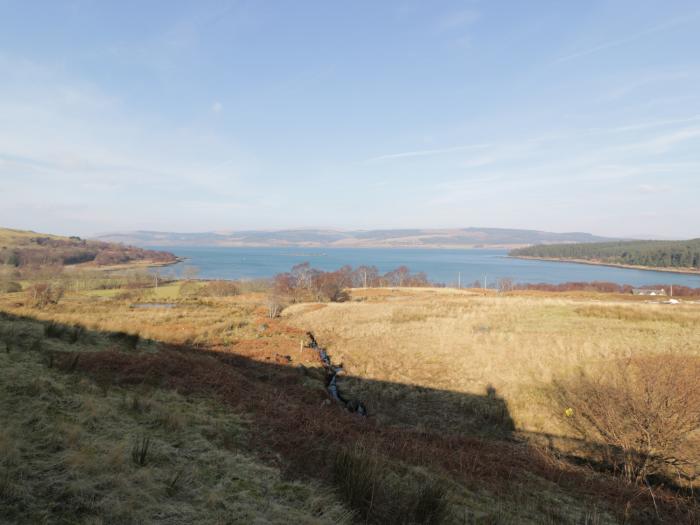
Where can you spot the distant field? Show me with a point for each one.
(166, 291)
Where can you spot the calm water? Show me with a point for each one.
(440, 265)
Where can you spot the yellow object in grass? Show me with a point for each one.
(569, 412)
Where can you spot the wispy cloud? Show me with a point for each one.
(478, 162)
(457, 19)
(652, 188)
(651, 124)
(662, 143)
(426, 152)
(670, 24)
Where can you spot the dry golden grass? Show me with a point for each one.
(192, 321)
(466, 342)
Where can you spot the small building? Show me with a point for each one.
(649, 291)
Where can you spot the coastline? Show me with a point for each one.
(127, 266)
(684, 271)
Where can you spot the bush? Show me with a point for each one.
(43, 294)
(220, 289)
(54, 330)
(254, 285)
(366, 481)
(642, 411)
(129, 340)
(190, 289)
(10, 287)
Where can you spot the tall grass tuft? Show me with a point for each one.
(139, 451)
(129, 340)
(54, 330)
(71, 334)
(380, 493)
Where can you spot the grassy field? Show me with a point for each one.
(240, 429)
(466, 342)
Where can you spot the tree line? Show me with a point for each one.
(660, 254)
(305, 283)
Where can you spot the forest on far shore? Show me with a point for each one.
(660, 254)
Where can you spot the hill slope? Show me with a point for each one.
(402, 238)
(80, 451)
(653, 254)
(27, 248)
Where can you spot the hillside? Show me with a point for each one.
(652, 254)
(81, 451)
(205, 409)
(20, 248)
(401, 238)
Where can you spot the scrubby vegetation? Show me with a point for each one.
(661, 254)
(644, 411)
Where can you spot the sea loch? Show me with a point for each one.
(441, 265)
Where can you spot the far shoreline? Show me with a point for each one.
(683, 271)
(131, 265)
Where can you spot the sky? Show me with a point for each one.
(227, 115)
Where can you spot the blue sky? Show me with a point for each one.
(194, 116)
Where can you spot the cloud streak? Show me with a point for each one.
(670, 24)
(426, 152)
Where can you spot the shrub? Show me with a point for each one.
(642, 411)
(130, 295)
(275, 304)
(10, 287)
(54, 330)
(189, 289)
(129, 340)
(43, 294)
(254, 285)
(220, 289)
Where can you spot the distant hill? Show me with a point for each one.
(402, 238)
(652, 254)
(27, 248)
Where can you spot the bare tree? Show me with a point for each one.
(505, 284)
(274, 305)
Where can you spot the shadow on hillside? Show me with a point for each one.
(467, 435)
(406, 406)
